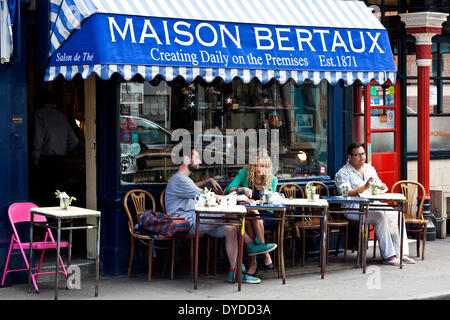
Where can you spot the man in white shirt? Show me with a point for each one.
(360, 176)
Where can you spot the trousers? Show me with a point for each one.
(394, 231)
(381, 224)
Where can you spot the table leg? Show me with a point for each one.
(366, 237)
(360, 245)
(58, 245)
(241, 252)
(70, 244)
(278, 250)
(97, 258)
(401, 234)
(281, 244)
(324, 243)
(30, 254)
(197, 220)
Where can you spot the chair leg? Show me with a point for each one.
(192, 258)
(40, 263)
(418, 234)
(150, 261)
(216, 240)
(424, 241)
(208, 249)
(166, 260)
(293, 251)
(345, 244)
(303, 248)
(130, 264)
(336, 252)
(172, 264)
(328, 245)
(353, 246)
(374, 246)
(6, 264)
(33, 278)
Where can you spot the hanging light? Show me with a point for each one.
(302, 156)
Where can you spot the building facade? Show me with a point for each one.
(126, 113)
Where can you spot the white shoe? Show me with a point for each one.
(408, 260)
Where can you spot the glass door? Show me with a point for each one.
(382, 134)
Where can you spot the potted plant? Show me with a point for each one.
(64, 200)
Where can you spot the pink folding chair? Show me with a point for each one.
(20, 212)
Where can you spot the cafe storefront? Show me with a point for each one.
(217, 71)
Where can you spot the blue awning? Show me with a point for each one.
(266, 39)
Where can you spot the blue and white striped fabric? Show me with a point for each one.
(105, 71)
(68, 15)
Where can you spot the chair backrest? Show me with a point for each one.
(410, 189)
(21, 212)
(319, 186)
(161, 200)
(290, 190)
(335, 190)
(142, 200)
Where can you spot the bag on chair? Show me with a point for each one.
(161, 224)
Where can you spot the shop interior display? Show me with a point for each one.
(289, 120)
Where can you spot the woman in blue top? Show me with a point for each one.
(251, 181)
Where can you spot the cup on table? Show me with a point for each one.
(199, 200)
(374, 189)
(232, 200)
(344, 189)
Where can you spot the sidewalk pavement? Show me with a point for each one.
(427, 279)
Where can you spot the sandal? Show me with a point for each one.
(393, 262)
(408, 260)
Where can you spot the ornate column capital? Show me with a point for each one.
(423, 22)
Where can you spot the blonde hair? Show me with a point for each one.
(263, 157)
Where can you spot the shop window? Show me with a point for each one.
(445, 59)
(288, 120)
(411, 97)
(446, 97)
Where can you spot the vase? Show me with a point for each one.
(64, 203)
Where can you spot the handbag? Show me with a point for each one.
(163, 225)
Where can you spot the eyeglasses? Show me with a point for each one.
(263, 165)
(359, 154)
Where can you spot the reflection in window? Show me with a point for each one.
(226, 112)
(411, 97)
(383, 141)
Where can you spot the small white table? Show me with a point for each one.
(68, 215)
(238, 210)
(376, 205)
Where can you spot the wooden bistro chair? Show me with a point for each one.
(410, 190)
(291, 190)
(191, 243)
(143, 200)
(314, 224)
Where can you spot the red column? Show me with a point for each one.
(423, 26)
(423, 58)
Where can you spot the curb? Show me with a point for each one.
(436, 296)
